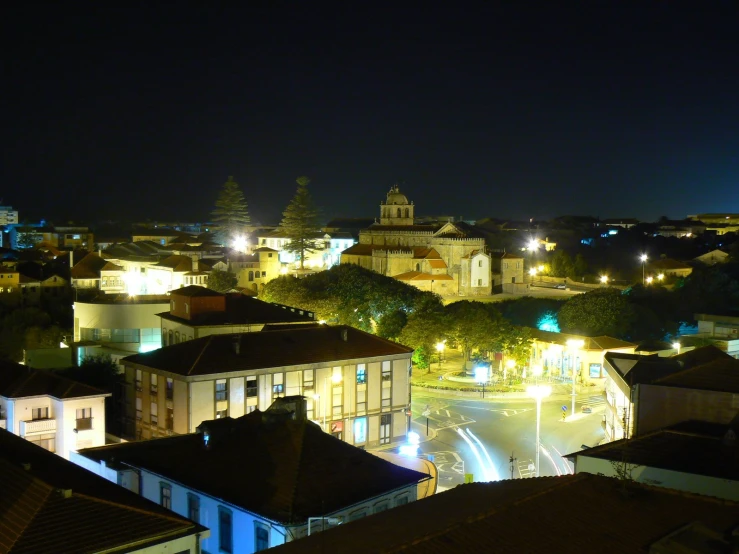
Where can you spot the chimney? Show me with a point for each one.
(345, 335)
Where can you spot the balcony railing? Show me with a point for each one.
(38, 426)
(84, 424)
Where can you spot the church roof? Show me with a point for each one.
(419, 276)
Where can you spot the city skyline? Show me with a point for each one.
(502, 111)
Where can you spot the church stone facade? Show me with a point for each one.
(445, 257)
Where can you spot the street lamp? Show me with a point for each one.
(649, 280)
(537, 392)
(660, 276)
(604, 279)
(440, 349)
(482, 376)
(575, 345)
(643, 259)
(533, 245)
(677, 346)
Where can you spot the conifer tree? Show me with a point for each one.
(231, 213)
(300, 222)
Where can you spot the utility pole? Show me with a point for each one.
(512, 461)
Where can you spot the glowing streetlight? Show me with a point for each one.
(650, 279)
(575, 345)
(509, 364)
(660, 276)
(540, 269)
(677, 346)
(604, 279)
(440, 349)
(643, 259)
(532, 271)
(538, 392)
(482, 375)
(240, 243)
(533, 245)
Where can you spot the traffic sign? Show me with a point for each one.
(426, 413)
(564, 408)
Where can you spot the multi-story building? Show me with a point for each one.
(357, 384)
(196, 312)
(396, 246)
(254, 270)
(53, 412)
(52, 505)
(8, 216)
(555, 355)
(299, 478)
(721, 329)
(645, 393)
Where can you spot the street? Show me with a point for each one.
(479, 437)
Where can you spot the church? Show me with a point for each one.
(447, 258)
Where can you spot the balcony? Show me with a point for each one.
(38, 426)
(84, 424)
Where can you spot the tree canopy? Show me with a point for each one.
(231, 212)
(221, 281)
(599, 312)
(300, 222)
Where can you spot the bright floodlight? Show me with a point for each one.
(661, 276)
(538, 391)
(239, 243)
(533, 244)
(532, 271)
(481, 374)
(604, 279)
(649, 280)
(540, 268)
(440, 346)
(676, 345)
(510, 363)
(643, 257)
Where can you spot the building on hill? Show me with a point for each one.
(713, 257)
(644, 393)
(536, 516)
(397, 246)
(357, 384)
(298, 477)
(722, 330)
(727, 219)
(52, 412)
(669, 268)
(692, 456)
(51, 505)
(196, 312)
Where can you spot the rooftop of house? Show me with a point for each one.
(240, 310)
(20, 381)
(705, 368)
(51, 505)
(544, 515)
(693, 447)
(176, 263)
(281, 468)
(589, 343)
(419, 276)
(103, 298)
(89, 267)
(667, 264)
(271, 347)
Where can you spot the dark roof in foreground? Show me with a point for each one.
(50, 505)
(271, 347)
(698, 453)
(20, 381)
(280, 468)
(575, 513)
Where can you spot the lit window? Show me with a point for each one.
(165, 495)
(361, 374)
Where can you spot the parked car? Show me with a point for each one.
(587, 409)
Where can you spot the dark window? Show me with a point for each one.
(40, 413)
(221, 390)
(225, 530)
(165, 495)
(251, 387)
(261, 538)
(170, 419)
(193, 507)
(84, 419)
(170, 388)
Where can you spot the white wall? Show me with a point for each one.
(66, 422)
(698, 484)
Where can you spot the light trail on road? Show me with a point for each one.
(554, 464)
(570, 470)
(484, 450)
(476, 453)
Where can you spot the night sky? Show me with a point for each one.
(519, 110)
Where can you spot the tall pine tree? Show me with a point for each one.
(231, 213)
(300, 222)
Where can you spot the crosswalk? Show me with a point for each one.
(593, 401)
(443, 418)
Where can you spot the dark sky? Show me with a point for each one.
(518, 109)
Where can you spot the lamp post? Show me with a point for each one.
(677, 346)
(604, 279)
(575, 345)
(643, 259)
(440, 349)
(482, 376)
(537, 392)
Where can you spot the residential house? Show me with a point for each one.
(508, 269)
(693, 456)
(255, 270)
(357, 384)
(277, 240)
(573, 513)
(722, 330)
(195, 312)
(727, 219)
(52, 505)
(55, 413)
(555, 355)
(645, 393)
(297, 477)
(624, 223)
(713, 257)
(668, 268)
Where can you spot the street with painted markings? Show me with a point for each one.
(494, 439)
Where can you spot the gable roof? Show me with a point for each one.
(269, 348)
(19, 381)
(52, 505)
(89, 267)
(179, 264)
(535, 516)
(668, 263)
(589, 343)
(297, 470)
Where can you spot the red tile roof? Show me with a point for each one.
(51, 506)
(89, 267)
(578, 513)
(418, 276)
(20, 381)
(267, 349)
